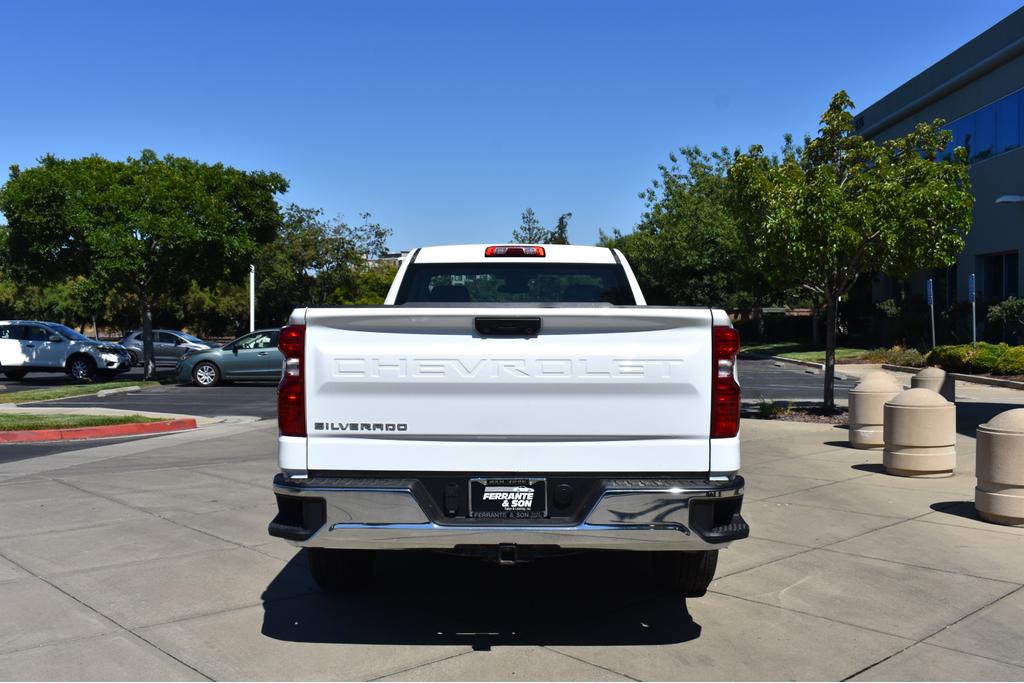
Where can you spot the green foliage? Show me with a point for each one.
(1011, 362)
(687, 248)
(889, 308)
(531, 231)
(92, 237)
(1009, 312)
(988, 355)
(840, 206)
(896, 355)
(964, 358)
(770, 410)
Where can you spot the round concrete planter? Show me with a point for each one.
(920, 435)
(999, 496)
(867, 400)
(937, 380)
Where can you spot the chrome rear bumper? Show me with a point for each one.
(392, 515)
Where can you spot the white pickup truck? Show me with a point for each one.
(510, 402)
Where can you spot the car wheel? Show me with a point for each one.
(206, 374)
(339, 571)
(687, 574)
(15, 374)
(134, 357)
(81, 367)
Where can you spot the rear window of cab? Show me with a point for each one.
(529, 282)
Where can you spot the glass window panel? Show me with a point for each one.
(1007, 123)
(963, 133)
(984, 133)
(1010, 275)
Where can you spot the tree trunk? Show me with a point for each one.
(758, 316)
(815, 326)
(830, 354)
(149, 365)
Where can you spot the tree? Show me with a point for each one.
(150, 226)
(687, 248)
(1009, 312)
(841, 206)
(560, 235)
(530, 231)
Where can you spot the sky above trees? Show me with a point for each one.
(447, 120)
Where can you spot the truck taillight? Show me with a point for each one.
(725, 391)
(291, 396)
(514, 250)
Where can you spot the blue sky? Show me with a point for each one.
(446, 119)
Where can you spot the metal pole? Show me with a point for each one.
(252, 298)
(971, 294)
(931, 306)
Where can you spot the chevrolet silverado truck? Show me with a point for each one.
(510, 402)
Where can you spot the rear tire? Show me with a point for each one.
(206, 374)
(686, 573)
(340, 571)
(15, 374)
(81, 367)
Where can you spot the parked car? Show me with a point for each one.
(508, 402)
(253, 357)
(167, 345)
(36, 346)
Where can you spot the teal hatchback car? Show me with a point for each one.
(252, 357)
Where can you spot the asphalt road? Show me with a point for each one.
(248, 399)
(763, 379)
(45, 380)
(760, 378)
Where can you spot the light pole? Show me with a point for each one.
(252, 297)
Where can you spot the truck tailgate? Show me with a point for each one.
(599, 389)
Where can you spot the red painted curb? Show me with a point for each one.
(80, 433)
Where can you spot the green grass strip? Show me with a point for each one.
(14, 422)
(67, 391)
(803, 351)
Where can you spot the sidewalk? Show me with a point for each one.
(150, 560)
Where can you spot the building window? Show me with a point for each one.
(998, 276)
(1008, 123)
(991, 130)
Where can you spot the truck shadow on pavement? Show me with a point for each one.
(435, 599)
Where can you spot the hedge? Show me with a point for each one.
(1011, 362)
(963, 357)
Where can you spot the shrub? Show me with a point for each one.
(963, 357)
(897, 355)
(987, 356)
(952, 358)
(1011, 362)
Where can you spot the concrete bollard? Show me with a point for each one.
(937, 380)
(920, 435)
(999, 496)
(867, 400)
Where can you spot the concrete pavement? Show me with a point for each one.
(150, 560)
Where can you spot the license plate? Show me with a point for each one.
(507, 498)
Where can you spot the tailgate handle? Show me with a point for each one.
(508, 327)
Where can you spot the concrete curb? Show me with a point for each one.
(782, 359)
(120, 390)
(106, 431)
(972, 379)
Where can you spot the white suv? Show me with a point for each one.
(34, 346)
